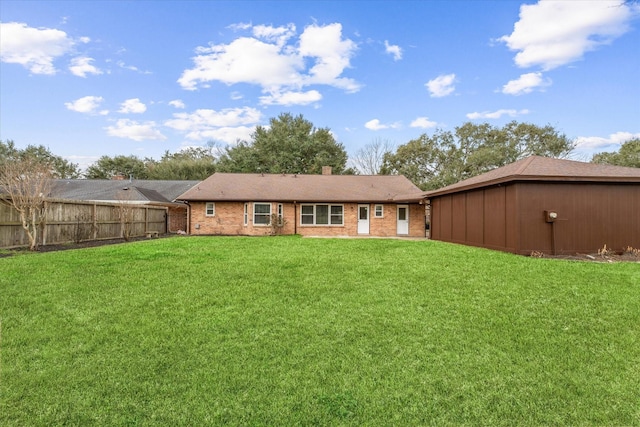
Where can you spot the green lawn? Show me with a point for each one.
(193, 331)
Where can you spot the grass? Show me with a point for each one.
(291, 331)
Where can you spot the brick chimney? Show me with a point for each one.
(326, 170)
(118, 177)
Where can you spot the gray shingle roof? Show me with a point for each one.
(137, 190)
(303, 188)
(537, 168)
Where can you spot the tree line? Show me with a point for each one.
(292, 144)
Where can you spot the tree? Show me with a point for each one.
(448, 157)
(107, 167)
(59, 167)
(289, 145)
(25, 184)
(628, 155)
(369, 159)
(195, 163)
(423, 160)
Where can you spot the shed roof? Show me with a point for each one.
(102, 190)
(537, 168)
(304, 188)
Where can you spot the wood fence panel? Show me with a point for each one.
(73, 221)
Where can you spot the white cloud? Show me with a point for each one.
(551, 33)
(276, 60)
(291, 98)
(132, 105)
(375, 125)
(496, 114)
(121, 64)
(441, 85)
(526, 83)
(278, 35)
(228, 135)
(87, 105)
(332, 56)
(394, 50)
(177, 103)
(423, 122)
(226, 125)
(240, 26)
(33, 48)
(82, 66)
(615, 140)
(125, 128)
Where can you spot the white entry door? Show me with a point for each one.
(363, 219)
(403, 220)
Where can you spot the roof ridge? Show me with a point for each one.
(525, 164)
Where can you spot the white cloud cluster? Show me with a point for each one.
(229, 125)
(132, 105)
(526, 83)
(277, 62)
(34, 48)
(87, 105)
(442, 85)
(552, 33)
(496, 114)
(423, 122)
(394, 50)
(81, 66)
(614, 140)
(376, 125)
(291, 98)
(137, 131)
(177, 103)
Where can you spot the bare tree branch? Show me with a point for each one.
(368, 160)
(25, 185)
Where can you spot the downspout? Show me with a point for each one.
(188, 230)
(295, 217)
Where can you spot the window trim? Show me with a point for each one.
(246, 214)
(375, 211)
(314, 216)
(213, 209)
(257, 224)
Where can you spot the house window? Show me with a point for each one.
(210, 209)
(322, 215)
(246, 214)
(379, 211)
(261, 213)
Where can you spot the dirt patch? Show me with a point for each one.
(596, 257)
(81, 245)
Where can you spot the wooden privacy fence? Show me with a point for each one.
(73, 221)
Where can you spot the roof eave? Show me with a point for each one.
(533, 178)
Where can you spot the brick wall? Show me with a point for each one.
(177, 219)
(229, 220)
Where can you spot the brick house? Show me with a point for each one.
(308, 205)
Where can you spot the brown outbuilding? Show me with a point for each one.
(539, 204)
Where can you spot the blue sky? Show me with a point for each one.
(89, 78)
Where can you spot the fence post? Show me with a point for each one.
(44, 224)
(94, 220)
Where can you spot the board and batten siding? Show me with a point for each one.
(511, 217)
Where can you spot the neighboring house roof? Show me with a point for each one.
(304, 188)
(143, 191)
(536, 168)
